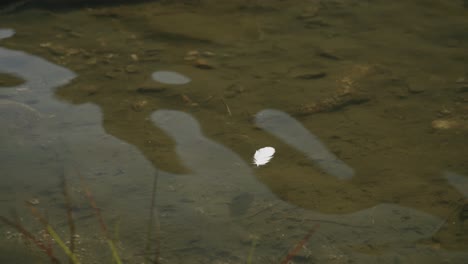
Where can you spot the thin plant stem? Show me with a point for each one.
(291, 254)
(252, 250)
(68, 206)
(46, 249)
(102, 224)
(117, 230)
(54, 235)
(154, 221)
(227, 107)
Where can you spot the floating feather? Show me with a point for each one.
(263, 156)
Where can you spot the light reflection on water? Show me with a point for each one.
(292, 132)
(219, 172)
(30, 132)
(195, 209)
(40, 76)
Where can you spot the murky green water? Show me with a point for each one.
(365, 102)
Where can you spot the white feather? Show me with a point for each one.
(263, 156)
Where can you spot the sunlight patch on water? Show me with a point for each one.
(6, 33)
(292, 132)
(170, 77)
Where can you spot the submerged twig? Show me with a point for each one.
(291, 254)
(227, 107)
(102, 224)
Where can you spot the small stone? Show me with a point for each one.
(400, 92)
(444, 124)
(315, 22)
(230, 94)
(327, 54)
(190, 58)
(134, 57)
(139, 105)
(311, 75)
(234, 90)
(91, 61)
(203, 64)
(45, 45)
(86, 54)
(111, 75)
(56, 50)
(71, 52)
(444, 111)
(131, 68)
(208, 54)
(193, 53)
(109, 56)
(33, 201)
(75, 34)
(306, 16)
(89, 89)
(416, 89)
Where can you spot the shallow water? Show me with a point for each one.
(364, 102)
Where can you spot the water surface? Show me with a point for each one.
(364, 102)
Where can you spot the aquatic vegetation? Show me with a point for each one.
(102, 225)
(295, 250)
(152, 246)
(68, 250)
(46, 248)
(46, 245)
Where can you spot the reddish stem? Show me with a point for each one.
(28, 235)
(293, 252)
